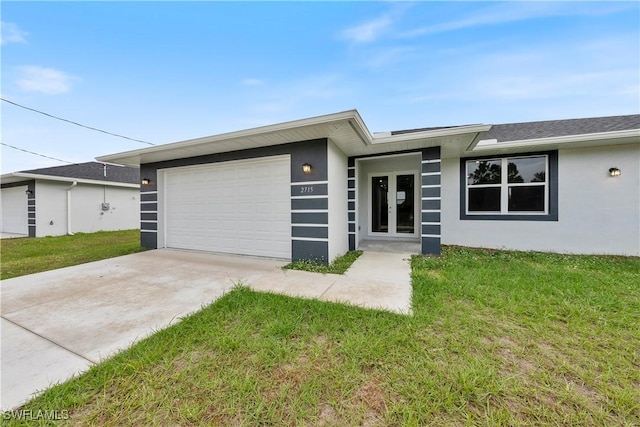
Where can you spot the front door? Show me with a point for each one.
(392, 204)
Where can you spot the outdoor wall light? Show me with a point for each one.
(146, 181)
(28, 192)
(306, 168)
(615, 172)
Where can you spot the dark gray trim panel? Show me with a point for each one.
(314, 232)
(553, 191)
(430, 216)
(431, 167)
(431, 204)
(431, 229)
(313, 152)
(153, 216)
(431, 192)
(430, 179)
(352, 242)
(309, 189)
(144, 225)
(310, 250)
(309, 218)
(319, 203)
(149, 240)
(19, 184)
(431, 245)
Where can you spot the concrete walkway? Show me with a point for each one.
(58, 323)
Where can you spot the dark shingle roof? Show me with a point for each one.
(92, 170)
(550, 128)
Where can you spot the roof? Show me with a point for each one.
(92, 170)
(89, 173)
(345, 129)
(349, 133)
(511, 138)
(555, 128)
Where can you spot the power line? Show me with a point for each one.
(36, 154)
(75, 123)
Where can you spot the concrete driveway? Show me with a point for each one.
(58, 323)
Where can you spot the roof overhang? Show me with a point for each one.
(345, 129)
(490, 147)
(11, 178)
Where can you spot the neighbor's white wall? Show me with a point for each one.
(87, 214)
(14, 210)
(86, 208)
(337, 190)
(597, 214)
(51, 208)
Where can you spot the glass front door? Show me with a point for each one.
(405, 204)
(380, 204)
(393, 204)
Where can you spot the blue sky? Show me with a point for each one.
(170, 71)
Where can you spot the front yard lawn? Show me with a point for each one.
(497, 338)
(28, 256)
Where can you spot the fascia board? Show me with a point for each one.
(559, 140)
(68, 179)
(262, 130)
(459, 130)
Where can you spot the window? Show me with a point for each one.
(518, 187)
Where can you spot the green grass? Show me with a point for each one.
(338, 266)
(497, 338)
(33, 255)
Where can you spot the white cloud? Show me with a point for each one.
(11, 33)
(513, 12)
(367, 32)
(250, 81)
(44, 80)
(372, 30)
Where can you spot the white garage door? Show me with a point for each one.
(239, 207)
(14, 210)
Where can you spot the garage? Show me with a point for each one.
(14, 210)
(237, 207)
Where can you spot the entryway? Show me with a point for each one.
(392, 199)
(388, 202)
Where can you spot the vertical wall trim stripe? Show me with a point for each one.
(432, 179)
(351, 200)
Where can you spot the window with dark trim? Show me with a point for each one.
(517, 187)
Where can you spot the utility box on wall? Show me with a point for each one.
(106, 206)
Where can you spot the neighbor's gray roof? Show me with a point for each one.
(92, 170)
(553, 128)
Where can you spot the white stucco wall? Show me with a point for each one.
(86, 208)
(597, 214)
(337, 190)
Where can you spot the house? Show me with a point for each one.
(83, 197)
(318, 187)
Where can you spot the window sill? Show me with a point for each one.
(509, 217)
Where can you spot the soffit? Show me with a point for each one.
(345, 129)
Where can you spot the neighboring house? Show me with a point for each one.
(83, 197)
(317, 187)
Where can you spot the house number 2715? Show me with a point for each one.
(306, 190)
